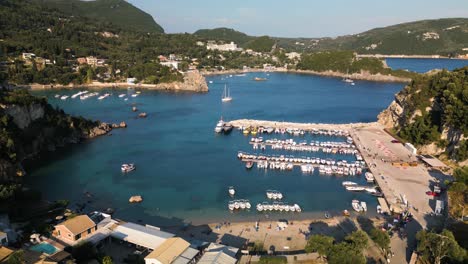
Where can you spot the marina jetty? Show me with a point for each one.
(240, 123)
(401, 177)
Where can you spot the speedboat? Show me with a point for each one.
(356, 206)
(348, 183)
(128, 167)
(364, 206)
(231, 191)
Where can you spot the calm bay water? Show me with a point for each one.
(425, 65)
(184, 168)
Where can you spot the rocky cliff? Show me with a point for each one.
(193, 81)
(30, 127)
(431, 112)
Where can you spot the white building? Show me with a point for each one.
(293, 55)
(170, 64)
(28, 56)
(222, 47)
(219, 254)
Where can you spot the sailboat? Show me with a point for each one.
(226, 97)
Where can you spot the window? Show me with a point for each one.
(58, 232)
(77, 236)
(89, 231)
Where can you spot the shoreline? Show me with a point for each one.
(356, 76)
(306, 126)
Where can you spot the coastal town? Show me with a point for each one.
(125, 142)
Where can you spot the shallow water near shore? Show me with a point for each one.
(184, 168)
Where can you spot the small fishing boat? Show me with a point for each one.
(356, 206)
(128, 167)
(231, 191)
(249, 165)
(364, 206)
(226, 97)
(348, 183)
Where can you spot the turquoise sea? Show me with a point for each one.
(425, 65)
(184, 168)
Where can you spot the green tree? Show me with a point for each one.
(107, 260)
(320, 244)
(345, 253)
(89, 75)
(437, 247)
(84, 251)
(358, 240)
(16, 258)
(381, 238)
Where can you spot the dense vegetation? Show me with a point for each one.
(451, 36)
(434, 103)
(224, 34)
(27, 26)
(439, 248)
(458, 192)
(346, 62)
(118, 12)
(54, 128)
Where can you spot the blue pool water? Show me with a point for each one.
(425, 65)
(184, 168)
(44, 247)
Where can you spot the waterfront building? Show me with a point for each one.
(216, 253)
(173, 250)
(75, 229)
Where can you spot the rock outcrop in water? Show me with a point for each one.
(193, 82)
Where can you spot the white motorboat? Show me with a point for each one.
(348, 183)
(364, 206)
(369, 177)
(242, 204)
(279, 196)
(269, 194)
(298, 208)
(231, 205)
(135, 95)
(128, 167)
(355, 188)
(292, 208)
(379, 209)
(259, 207)
(371, 190)
(232, 191)
(104, 96)
(247, 205)
(236, 204)
(226, 97)
(276, 206)
(57, 96)
(286, 208)
(356, 206)
(270, 207)
(122, 95)
(64, 97)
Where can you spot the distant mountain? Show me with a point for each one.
(225, 34)
(440, 36)
(117, 12)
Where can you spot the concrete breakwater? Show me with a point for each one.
(304, 126)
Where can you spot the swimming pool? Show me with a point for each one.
(44, 247)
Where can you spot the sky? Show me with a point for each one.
(295, 18)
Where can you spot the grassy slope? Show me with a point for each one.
(118, 12)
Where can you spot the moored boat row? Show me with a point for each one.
(239, 205)
(278, 206)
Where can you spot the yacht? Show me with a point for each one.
(231, 191)
(128, 167)
(226, 97)
(219, 126)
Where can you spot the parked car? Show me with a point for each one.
(396, 141)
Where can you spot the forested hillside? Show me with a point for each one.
(118, 12)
